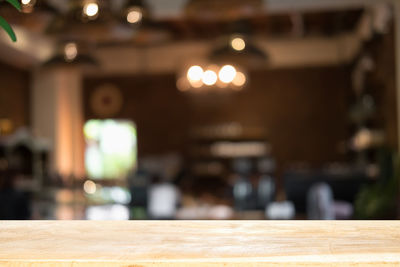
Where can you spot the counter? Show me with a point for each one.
(199, 243)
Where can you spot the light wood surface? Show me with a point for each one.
(199, 243)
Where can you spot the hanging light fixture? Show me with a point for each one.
(240, 49)
(135, 11)
(70, 52)
(227, 74)
(212, 77)
(27, 5)
(233, 55)
(90, 9)
(238, 43)
(39, 6)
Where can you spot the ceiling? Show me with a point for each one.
(184, 21)
(196, 20)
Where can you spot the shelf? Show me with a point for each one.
(200, 243)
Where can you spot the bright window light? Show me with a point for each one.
(111, 148)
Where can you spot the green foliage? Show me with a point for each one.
(378, 201)
(4, 24)
(15, 3)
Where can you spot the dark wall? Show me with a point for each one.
(383, 84)
(304, 111)
(14, 95)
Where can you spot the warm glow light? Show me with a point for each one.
(227, 74)
(182, 84)
(209, 77)
(195, 73)
(238, 44)
(240, 79)
(134, 15)
(70, 51)
(212, 75)
(89, 187)
(196, 84)
(91, 9)
(27, 5)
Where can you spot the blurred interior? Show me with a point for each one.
(200, 109)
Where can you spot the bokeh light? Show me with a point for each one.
(111, 149)
(227, 74)
(134, 15)
(238, 44)
(70, 51)
(91, 9)
(209, 77)
(183, 84)
(27, 5)
(240, 79)
(195, 73)
(89, 187)
(212, 75)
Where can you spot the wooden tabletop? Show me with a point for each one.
(199, 243)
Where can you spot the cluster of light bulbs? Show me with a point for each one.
(134, 14)
(213, 76)
(91, 10)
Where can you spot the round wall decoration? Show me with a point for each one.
(106, 101)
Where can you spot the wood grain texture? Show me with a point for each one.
(199, 243)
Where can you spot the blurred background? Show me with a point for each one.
(200, 109)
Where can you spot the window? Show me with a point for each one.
(111, 148)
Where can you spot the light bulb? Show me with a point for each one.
(182, 84)
(134, 15)
(238, 44)
(227, 74)
(70, 51)
(240, 79)
(89, 187)
(27, 5)
(91, 9)
(209, 77)
(195, 73)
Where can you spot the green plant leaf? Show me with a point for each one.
(4, 24)
(15, 3)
